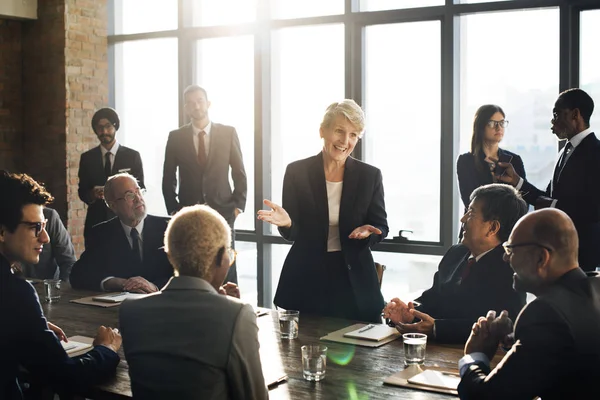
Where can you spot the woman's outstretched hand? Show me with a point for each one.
(363, 232)
(276, 216)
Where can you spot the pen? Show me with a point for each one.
(366, 328)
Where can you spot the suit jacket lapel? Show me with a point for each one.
(214, 142)
(319, 190)
(150, 239)
(349, 189)
(189, 143)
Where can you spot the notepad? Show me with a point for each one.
(118, 297)
(436, 379)
(72, 346)
(374, 332)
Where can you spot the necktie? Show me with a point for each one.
(563, 158)
(135, 241)
(467, 269)
(107, 166)
(201, 149)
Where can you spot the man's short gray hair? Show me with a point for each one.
(109, 194)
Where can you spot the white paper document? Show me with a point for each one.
(375, 332)
(72, 346)
(119, 297)
(436, 379)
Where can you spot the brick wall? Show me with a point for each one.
(11, 99)
(65, 78)
(86, 67)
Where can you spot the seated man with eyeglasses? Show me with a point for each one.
(189, 341)
(557, 350)
(26, 338)
(472, 277)
(124, 253)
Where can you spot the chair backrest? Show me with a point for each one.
(380, 269)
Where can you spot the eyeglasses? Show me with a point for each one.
(508, 248)
(232, 255)
(105, 127)
(37, 226)
(495, 124)
(130, 196)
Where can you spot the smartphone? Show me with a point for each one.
(505, 158)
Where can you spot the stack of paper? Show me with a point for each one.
(118, 297)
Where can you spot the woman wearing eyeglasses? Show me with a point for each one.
(479, 166)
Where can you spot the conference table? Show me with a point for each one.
(353, 372)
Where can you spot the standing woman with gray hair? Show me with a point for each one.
(333, 211)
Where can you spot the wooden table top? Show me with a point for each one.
(352, 372)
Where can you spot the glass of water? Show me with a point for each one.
(288, 323)
(51, 290)
(314, 362)
(414, 348)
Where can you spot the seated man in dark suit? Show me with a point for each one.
(557, 350)
(189, 341)
(472, 277)
(58, 257)
(575, 187)
(25, 338)
(124, 253)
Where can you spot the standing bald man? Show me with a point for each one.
(101, 162)
(557, 350)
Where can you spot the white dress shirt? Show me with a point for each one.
(113, 153)
(206, 130)
(334, 197)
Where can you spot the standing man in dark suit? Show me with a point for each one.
(124, 253)
(472, 277)
(97, 164)
(26, 338)
(557, 350)
(58, 257)
(575, 187)
(202, 154)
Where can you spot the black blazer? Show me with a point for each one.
(557, 349)
(456, 304)
(577, 191)
(109, 254)
(470, 178)
(25, 340)
(305, 199)
(91, 174)
(213, 189)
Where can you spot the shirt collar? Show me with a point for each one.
(481, 255)
(206, 129)
(139, 227)
(183, 282)
(575, 140)
(113, 150)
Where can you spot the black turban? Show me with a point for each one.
(108, 113)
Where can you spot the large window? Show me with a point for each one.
(222, 12)
(158, 15)
(146, 99)
(590, 61)
(225, 68)
(403, 108)
(419, 68)
(517, 69)
(307, 75)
